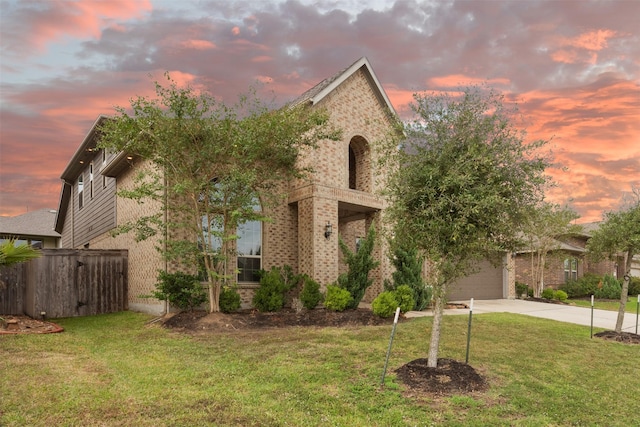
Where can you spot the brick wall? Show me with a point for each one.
(144, 260)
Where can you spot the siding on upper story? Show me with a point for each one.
(98, 212)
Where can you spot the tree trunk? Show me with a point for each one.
(214, 297)
(541, 269)
(624, 294)
(438, 311)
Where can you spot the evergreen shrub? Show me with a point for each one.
(547, 293)
(180, 289)
(385, 304)
(609, 288)
(310, 295)
(274, 285)
(229, 299)
(337, 298)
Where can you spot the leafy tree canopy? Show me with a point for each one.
(619, 234)
(211, 165)
(462, 185)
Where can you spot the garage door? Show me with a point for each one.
(485, 284)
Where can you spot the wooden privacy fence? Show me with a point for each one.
(67, 283)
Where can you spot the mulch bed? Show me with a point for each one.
(27, 325)
(202, 321)
(449, 377)
(623, 337)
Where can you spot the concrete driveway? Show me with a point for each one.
(563, 313)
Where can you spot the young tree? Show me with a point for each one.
(545, 224)
(213, 167)
(360, 263)
(461, 186)
(408, 271)
(619, 234)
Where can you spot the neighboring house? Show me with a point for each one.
(635, 266)
(567, 261)
(35, 228)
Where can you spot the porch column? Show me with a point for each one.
(318, 255)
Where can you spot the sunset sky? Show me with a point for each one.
(573, 67)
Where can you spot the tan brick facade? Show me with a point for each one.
(341, 191)
(145, 260)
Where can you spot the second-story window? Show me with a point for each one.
(80, 191)
(91, 181)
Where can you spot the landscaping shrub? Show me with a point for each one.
(609, 288)
(521, 289)
(337, 298)
(229, 299)
(560, 295)
(634, 286)
(408, 271)
(310, 295)
(584, 286)
(404, 297)
(547, 293)
(356, 280)
(270, 296)
(180, 289)
(385, 304)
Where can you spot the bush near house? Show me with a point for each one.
(547, 293)
(560, 295)
(229, 299)
(310, 295)
(385, 304)
(180, 289)
(356, 280)
(608, 288)
(583, 287)
(337, 298)
(408, 271)
(634, 286)
(274, 285)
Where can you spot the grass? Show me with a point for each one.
(631, 307)
(115, 370)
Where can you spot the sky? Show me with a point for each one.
(573, 67)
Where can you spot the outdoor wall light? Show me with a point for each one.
(328, 230)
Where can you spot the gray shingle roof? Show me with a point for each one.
(34, 223)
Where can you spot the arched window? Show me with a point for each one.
(359, 164)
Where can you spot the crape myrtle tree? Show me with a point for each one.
(213, 167)
(619, 233)
(544, 224)
(461, 186)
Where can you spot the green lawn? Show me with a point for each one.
(114, 370)
(632, 304)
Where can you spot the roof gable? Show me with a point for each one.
(322, 89)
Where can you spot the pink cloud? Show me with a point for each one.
(40, 26)
(198, 44)
(592, 40)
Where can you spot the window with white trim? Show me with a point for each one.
(80, 191)
(570, 269)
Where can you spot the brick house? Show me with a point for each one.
(342, 195)
(567, 261)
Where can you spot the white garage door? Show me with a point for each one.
(485, 284)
